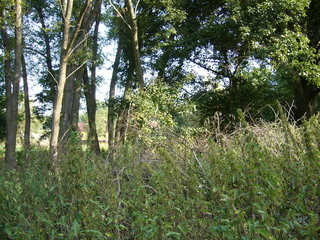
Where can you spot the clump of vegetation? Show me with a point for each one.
(260, 181)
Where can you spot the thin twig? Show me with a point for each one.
(77, 69)
(83, 40)
(53, 77)
(114, 7)
(135, 9)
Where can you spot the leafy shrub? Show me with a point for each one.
(259, 182)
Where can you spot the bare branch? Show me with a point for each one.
(63, 10)
(78, 25)
(83, 40)
(77, 69)
(123, 19)
(135, 9)
(53, 76)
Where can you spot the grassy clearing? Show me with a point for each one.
(258, 182)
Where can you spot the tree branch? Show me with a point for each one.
(78, 25)
(114, 7)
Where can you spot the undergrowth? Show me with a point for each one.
(260, 181)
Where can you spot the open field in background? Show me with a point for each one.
(260, 181)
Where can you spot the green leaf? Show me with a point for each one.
(172, 234)
(8, 232)
(96, 232)
(43, 219)
(265, 234)
(75, 227)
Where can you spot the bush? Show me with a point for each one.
(259, 182)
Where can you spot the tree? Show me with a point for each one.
(12, 87)
(112, 100)
(67, 47)
(135, 40)
(130, 13)
(27, 126)
(75, 71)
(287, 33)
(307, 88)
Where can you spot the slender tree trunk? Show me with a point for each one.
(76, 101)
(111, 107)
(122, 121)
(7, 59)
(65, 49)
(70, 104)
(135, 42)
(12, 101)
(27, 125)
(93, 142)
(51, 78)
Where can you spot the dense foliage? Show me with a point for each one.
(259, 182)
(198, 145)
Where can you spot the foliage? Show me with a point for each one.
(157, 106)
(258, 89)
(258, 182)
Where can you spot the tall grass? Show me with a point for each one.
(260, 181)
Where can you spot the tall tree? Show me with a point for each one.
(286, 32)
(27, 126)
(67, 48)
(75, 71)
(91, 98)
(307, 89)
(12, 92)
(130, 19)
(112, 100)
(135, 40)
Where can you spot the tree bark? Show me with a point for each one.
(13, 95)
(111, 107)
(27, 125)
(93, 141)
(67, 6)
(306, 92)
(122, 121)
(305, 99)
(70, 44)
(135, 42)
(71, 100)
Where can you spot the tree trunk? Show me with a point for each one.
(65, 50)
(27, 125)
(71, 101)
(51, 78)
(93, 141)
(111, 107)
(13, 96)
(68, 47)
(135, 42)
(306, 92)
(305, 97)
(122, 121)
